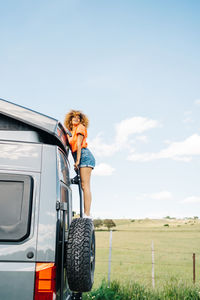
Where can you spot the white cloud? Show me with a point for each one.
(168, 142)
(132, 126)
(142, 138)
(188, 119)
(197, 102)
(122, 139)
(182, 151)
(187, 112)
(100, 148)
(103, 170)
(163, 195)
(191, 199)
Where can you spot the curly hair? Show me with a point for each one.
(73, 113)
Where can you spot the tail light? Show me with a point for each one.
(45, 281)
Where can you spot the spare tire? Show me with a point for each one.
(80, 255)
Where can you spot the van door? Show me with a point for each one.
(18, 194)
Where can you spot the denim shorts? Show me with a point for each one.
(87, 158)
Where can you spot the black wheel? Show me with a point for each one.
(80, 255)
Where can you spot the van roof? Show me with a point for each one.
(46, 124)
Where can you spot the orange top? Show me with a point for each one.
(80, 129)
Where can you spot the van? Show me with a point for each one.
(45, 253)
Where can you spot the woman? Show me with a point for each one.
(76, 122)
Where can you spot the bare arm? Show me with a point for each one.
(79, 143)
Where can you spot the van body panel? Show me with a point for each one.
(20, 156)
(20, 136)
(37, 120)
(46, 245)
(34, 171)
(17, 280)
(27, 116)
(18, 251)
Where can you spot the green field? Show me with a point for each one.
(132, 257)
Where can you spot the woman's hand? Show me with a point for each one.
(76, 165)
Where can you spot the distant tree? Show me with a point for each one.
(196, 218)
(170, 218)
(98, 223)
(109, 223)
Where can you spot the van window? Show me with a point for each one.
(65, 197)
(63, 168)
(15, 206)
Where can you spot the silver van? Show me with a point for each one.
(45, 254)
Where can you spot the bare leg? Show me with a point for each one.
(85, 173)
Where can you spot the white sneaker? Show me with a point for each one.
(87, 217)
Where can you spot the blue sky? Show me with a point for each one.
(133, 67)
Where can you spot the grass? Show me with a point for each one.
(132, 256)
(173, 290)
